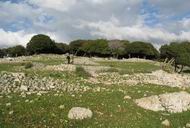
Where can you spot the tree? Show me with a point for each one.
(75, 47)
(117, 48)
(142, 50)
(16, 51)
(180, 51)
(41, 44)
(2, 54)
(61, 48)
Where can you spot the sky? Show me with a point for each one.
(155, 21)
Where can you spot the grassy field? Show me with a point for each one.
(110, 109)
(130, 67)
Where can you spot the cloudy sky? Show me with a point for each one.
(156, 21)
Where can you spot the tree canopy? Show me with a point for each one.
(142, 50)
(41, 44)
(16, 51)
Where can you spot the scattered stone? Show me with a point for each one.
(127, 98)
(39, 94)
(11, 112)
(26, 101)
(61, 106)
(166, 123)
(78, 113)
(188, 125)
(31, 101)
(8, 104)
(23, 88)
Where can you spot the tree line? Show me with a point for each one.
(43, 44)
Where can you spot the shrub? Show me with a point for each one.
(81, 72)
(28, 65)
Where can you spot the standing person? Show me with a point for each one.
(68, 59)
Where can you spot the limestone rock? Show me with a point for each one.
(171, 102)
(151, 103)
(188, 125)
(127, 98)
(166, 123)
(78, 113)
(23, 88)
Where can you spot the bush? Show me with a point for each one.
(81, 72)
(28, 65)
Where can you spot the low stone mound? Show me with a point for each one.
(171, 102)
(78, 113)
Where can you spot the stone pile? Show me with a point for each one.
(18, 82)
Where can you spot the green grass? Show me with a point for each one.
(48, 59)
(116, 112)
(131, 67)
(11, 67)
(110, 110)
(81, 72)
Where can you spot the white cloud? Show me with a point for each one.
(9, 38)
(60, 5)
(110, 30)
(122, 19)
(185, 22)
(14, 38)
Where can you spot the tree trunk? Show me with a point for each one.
(181, 69)
(175, 67)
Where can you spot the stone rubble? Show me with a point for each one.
(26, 85)
(158, 77)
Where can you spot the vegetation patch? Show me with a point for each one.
(81, 72)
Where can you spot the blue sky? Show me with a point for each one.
(156, 21)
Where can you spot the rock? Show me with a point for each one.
(78, 113)
(176, 102)
(61, 106)
(127, 98)
(151, 103)
(188, 125)
(23, 88)
(39, 94)
(11, 112)
(166, 123)
(171, 102)
(8, 104)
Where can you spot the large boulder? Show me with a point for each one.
(171, 102)
(78, 113)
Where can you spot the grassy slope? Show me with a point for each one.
(116, 112)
